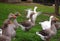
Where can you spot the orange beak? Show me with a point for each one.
(56, 18)
(19, 14)
(14, 16)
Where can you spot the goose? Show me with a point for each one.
(48, 33)
(27, 24)
(35, 15)
(8, 28)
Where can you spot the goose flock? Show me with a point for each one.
(49, 27)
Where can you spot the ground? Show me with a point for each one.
(5, 9)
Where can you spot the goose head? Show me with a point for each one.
(51, 17)
(17, 14)
(54, 19)
(11, 15)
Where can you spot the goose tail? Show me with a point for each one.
(42, 37)
(22, 27)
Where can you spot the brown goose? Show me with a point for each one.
(8, 29)
(26, 25)
(48, 33)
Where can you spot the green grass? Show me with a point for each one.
(5, 9)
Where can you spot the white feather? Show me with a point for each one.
(35, 16)
(29, 11)
(0, 32)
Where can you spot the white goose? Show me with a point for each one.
(47, 33)
(35, 15)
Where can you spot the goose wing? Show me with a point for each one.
(25, 23)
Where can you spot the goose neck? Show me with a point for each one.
(35, 9)
(50, 20)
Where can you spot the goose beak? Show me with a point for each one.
(56, 18)
(19, 14)
(14, 16)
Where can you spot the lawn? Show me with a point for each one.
(5, 9)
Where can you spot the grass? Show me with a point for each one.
(5, 9)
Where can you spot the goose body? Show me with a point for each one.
(47, 34)
(45, 25)
(10, 30)
(26, 25)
